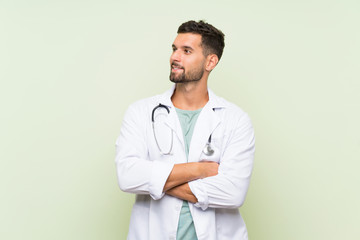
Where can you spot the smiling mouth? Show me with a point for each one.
(175, 67)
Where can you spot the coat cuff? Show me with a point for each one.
(159, 175)
(200, 193)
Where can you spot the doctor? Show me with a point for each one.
(189, 159)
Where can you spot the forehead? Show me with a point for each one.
(192, 40)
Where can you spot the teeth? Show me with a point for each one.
(175, 67)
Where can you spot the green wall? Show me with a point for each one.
(69, 69)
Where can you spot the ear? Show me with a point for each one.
(211, 62)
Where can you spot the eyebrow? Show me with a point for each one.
(184, 47)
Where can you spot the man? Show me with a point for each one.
(189, 159)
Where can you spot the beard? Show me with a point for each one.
(185, 77)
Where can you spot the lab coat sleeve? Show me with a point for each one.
(136, 172)
(228, 189)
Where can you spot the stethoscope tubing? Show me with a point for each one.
(208, 150)
(153, 127)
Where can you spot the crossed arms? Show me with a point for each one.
(214, 185)
(177, 183)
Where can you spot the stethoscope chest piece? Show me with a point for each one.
(208, 151)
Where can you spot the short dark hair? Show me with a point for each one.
(212, 39)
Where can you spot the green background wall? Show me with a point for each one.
(69, 69)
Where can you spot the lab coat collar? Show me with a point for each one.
(214, 101)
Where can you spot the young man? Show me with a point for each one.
(187, 154)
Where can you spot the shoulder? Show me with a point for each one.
(144, 104)
(232, 111)
(236, 121)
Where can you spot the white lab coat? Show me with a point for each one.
(143, 170)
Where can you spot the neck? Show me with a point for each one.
(190, 96)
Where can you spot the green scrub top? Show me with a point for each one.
(186, 228)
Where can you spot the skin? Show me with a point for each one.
(177, 182)
(190, 70)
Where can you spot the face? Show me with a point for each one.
(187, 61)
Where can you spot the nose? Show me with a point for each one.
(175, 56)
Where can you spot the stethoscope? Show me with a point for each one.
(208, 150)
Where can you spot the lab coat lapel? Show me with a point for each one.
(205, 125)
(172, 121)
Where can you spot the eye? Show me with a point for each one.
(187, 51)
